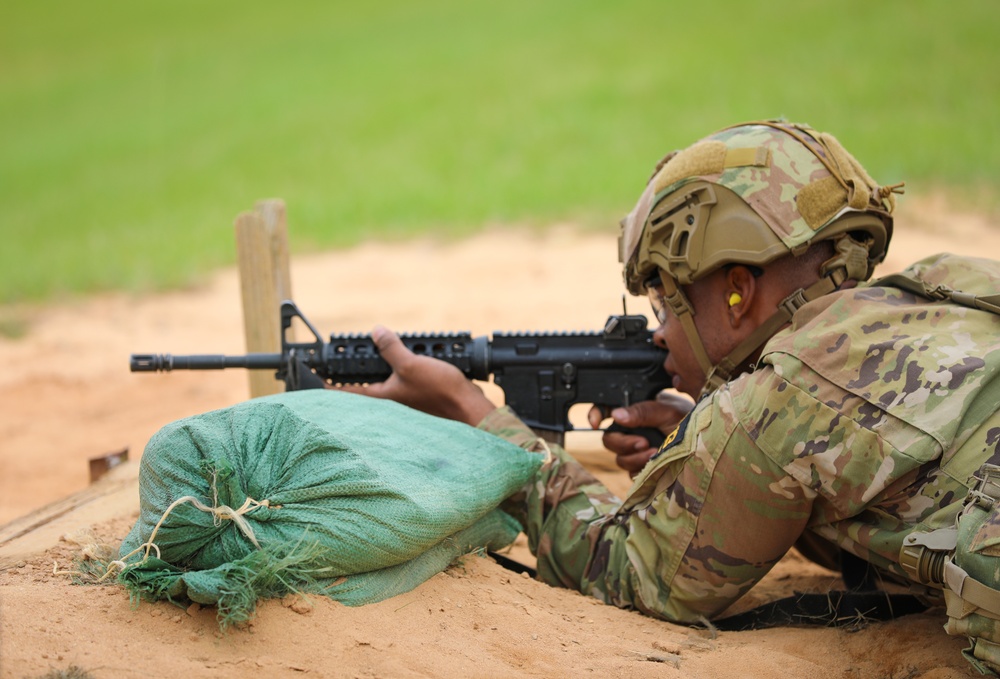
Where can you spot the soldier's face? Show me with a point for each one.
(684, 371)
(708, 300)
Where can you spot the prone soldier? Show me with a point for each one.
(844, 416)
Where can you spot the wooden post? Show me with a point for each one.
(265, 281)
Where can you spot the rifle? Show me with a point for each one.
(541, 374)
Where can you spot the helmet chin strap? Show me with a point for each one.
(681, 307)
(850, 262)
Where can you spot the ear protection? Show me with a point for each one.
(735, 299)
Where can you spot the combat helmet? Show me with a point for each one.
(750, 194)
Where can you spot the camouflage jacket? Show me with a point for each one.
(862, 422)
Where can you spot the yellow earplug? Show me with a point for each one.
(735, 299)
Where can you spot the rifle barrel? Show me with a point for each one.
(168, 362)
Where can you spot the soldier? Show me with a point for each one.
(831, 413)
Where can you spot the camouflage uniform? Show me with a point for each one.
(862, 422)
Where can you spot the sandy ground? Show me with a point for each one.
(67, 396)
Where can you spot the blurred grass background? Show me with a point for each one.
(131, 134)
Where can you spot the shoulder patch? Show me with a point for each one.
(674, 437)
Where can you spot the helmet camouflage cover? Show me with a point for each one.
(773, 187)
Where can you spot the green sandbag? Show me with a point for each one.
(235, 587)
(323, 484)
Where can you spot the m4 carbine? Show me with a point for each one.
(541, 374)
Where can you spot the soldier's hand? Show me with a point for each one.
(632, 451)
(425, 383)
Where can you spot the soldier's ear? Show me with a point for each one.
(740, 293)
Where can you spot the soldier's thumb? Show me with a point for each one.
(389, 346)
(642, 414)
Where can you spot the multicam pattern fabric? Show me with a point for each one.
(863, 422)
(769, 190)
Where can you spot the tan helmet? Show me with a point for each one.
(751, 194)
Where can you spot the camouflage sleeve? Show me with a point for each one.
(705, 520)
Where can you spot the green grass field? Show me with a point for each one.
(131, 134)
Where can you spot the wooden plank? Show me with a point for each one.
(265, 281)
(114, 495)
